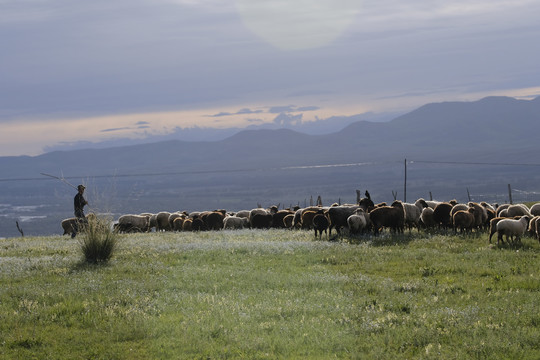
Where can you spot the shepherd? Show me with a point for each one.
(79, 202)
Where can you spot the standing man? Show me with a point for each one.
(79, 202)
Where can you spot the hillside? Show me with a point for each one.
(254, 166)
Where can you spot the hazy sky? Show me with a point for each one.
(91, 70)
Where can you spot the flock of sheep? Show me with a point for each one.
(365, 217)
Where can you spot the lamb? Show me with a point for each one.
(512, 229)
(320, 223)
(235, 222)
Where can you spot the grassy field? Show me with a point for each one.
(271, 294)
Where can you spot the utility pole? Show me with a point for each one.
(510, 193)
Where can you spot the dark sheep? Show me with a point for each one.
(392, 217)
(277, 218)
(320, 223)
(441, 215)
(261, 221)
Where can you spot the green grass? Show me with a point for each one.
(270, 294)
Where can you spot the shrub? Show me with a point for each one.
(98, 240)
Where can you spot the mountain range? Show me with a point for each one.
(257, 166)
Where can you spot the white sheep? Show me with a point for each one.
(358, 221)
(130, 223)
(518, 210)
(413, 212)
(535, 209)
(512, 229)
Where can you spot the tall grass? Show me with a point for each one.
(97, 240)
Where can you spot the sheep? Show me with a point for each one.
(213, 220)
(235, 222)
(359, 221)
(531, 230)
(255, 211)
(427, 218)
(518, 210)
(178, 224)
(413, 212)
(441, 215)
(503, 213)
(480, 216)
(261, 221)
(457, 208)
(338, 215)
(172, 217)
(464, 220)
(162, 219)
(307, 219)
(501, 208)
(277, 220)
(512, 229)
(288, 221)
(133, 223)
(320, 223)
(187, 225)
(430, 203)
(388, 216)
(537, 229)
(535, 209)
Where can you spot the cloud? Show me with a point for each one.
(243, 111)
(291, 108)
(284, 119)
(116, 129)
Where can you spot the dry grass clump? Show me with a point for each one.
(98, 240)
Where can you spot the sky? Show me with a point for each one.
(90, 71)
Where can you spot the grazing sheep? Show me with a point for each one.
(320, 223)
(531, 230)
(234, 222)
(358, 222)
(427, 218)
(512, 229)
(162, 221)
(178, 224)
(277, 218)
(535, 209)
(501, 208)
(133, 223)
(503, 213)
(537, 229)
(172, 217)
(487, 206)
(457, 208)
(493, 225)
(187, 225)
(307, 219)
(338, 215)
(197, 224)
(288, 221)
(518, 210)
(464, 220)
(480, 215)
(261, 221)
(213, 220)
(413, 212)
(441, 215)
(392, 217)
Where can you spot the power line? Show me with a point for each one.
(469, 163)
